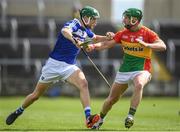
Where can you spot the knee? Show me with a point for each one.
(139, 86)
(84, 84)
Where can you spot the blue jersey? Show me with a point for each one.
(64, 49)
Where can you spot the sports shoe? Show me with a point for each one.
(91, 120)
(98, 124)
(129, 121)
(12, 117)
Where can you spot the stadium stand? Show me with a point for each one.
(5, 33)
(7, 51)
(169, 32)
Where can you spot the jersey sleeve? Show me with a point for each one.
(117, 37)
(152, 36)
(72, 25)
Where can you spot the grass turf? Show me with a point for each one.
(66, 114)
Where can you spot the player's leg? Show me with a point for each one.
(39, 90)
(79, 81)
(118, 88)
(47, 77)
(139, 82)
(116, 92)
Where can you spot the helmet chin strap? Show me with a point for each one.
(129, 26)
(133, 23)
(84, 22)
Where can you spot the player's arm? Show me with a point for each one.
(158, 45)
(100, 38)
(101, 45)
(67, 33)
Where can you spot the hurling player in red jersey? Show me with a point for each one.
(137, 42)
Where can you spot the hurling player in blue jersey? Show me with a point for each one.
(62, 60)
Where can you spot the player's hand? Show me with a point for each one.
(85, 44)
(109, 35)
(77, 42)
(90, 47)
(142, 42)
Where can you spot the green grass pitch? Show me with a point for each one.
(66, 114)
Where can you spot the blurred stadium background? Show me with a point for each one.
(28, 30)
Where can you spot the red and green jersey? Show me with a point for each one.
(136, 56)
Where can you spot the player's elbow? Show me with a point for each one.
(63, 31)
(163, 48)
(160, 49)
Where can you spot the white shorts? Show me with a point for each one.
(126, 77)
(55, 70)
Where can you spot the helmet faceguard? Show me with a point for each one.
(132, 14)
(89, 12)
